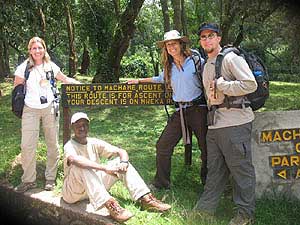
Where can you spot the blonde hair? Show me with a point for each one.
(167, 60)
(33, 40)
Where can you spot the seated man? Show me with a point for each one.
(85, 177)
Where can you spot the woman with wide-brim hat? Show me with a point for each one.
(180, 74)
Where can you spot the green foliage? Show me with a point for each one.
(286, 77)
(134, 67)
(269, 27)
(283, 96)
(96, 21)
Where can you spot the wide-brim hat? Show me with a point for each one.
(172, 35)
(79, 115)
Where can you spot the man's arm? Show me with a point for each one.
(242, 83)
(84, 163)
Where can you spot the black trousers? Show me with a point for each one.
(196, 121)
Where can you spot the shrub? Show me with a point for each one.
(134, 67)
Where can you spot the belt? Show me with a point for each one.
(197, 101)
(236, 106)
(183, 104)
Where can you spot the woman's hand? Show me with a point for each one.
(135, 81)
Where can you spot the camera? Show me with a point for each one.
(43, 99)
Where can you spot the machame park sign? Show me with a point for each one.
(276, 153)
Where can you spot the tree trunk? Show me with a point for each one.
(4, 59)
(110, 71)
(71, 34)
(43, 23)
(227, 16)
(2, 63)
(154, 64)
(85, 61)
(183, 19)
(177, 15)
(165, 12)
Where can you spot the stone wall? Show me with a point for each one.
(39, 207)
(276, 153)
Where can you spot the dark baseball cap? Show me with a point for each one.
(209, 26)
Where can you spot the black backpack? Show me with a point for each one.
(18, 95)
(257, 98)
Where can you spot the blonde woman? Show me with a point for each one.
(39, 106)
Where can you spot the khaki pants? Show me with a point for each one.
(30, 137)
(81, 184)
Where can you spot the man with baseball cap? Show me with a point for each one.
(229, 132)
(86, 178)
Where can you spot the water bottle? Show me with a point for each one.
(257, 73)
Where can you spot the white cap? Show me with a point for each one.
(77, 116)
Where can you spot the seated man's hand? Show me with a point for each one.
(123, 167)
(112, 170)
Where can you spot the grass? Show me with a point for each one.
(137, 129)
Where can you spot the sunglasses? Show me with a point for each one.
(209, 36)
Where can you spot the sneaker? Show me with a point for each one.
(150, 203)
(25, 187)
(50, 184)
(117, 212)
(241, 219)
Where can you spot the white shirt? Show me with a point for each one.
(34, 87)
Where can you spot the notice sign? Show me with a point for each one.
(285, 167)
(115, 94)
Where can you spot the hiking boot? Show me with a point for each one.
(50, 184)
(150, 203)
(117, 212)
(25, 187)
(241, 219)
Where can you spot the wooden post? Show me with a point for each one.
(66, 121)
(188, 155)
(188, 152)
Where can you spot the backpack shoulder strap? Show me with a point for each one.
(225, 50)
(196, 57)
(27, 72)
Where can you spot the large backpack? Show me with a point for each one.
(257, 98)
(196, 57)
